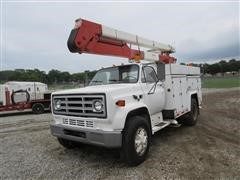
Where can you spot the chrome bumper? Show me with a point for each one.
(110, 139)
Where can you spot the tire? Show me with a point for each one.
(191, 118)
(38, 108)
(136, 140)
(67, 143)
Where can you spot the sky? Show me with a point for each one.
(34, 34)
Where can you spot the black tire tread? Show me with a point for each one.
(188, 119)
(128, 150)
(38, 111)
(67, 143)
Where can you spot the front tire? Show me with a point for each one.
(136, 140)
(67, 143)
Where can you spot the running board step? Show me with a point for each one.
(173, 123)
(164, 124)
(160, 126)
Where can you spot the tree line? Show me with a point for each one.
(56, 76)
(232, 66)
(52, 77)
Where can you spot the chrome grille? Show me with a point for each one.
(81, 123)
(79, 105)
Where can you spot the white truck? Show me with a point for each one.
(123, 106)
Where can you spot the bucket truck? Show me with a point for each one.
(125, 105)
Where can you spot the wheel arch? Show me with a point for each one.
(186, 118)
(193, 95)
(138, 112)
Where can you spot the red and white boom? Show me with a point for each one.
(94, 38)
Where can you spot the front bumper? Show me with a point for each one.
(110, 139)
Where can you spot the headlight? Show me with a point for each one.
(57, 104)
(98, 106)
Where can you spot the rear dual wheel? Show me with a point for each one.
(190, 119)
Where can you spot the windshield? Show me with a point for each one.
(116, 75)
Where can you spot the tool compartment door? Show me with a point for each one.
(177, 94)
(184, 96)
(181, 96)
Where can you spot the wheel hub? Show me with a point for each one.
(141, 141)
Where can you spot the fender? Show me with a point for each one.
(121, 115)
(190, 94)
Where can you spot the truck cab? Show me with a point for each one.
(123, 106)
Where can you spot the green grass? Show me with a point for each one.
(221, 82)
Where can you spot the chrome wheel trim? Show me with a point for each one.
(141, 141)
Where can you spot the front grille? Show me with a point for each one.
(81, 123)
(79, 105)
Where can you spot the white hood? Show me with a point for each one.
(98, 89)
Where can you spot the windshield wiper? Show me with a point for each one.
(114, 80)
(96, 81)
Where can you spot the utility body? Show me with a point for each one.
(123, 106)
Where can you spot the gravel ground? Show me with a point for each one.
(209, 150)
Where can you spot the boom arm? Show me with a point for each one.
(94, 38)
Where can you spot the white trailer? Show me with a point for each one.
(123, 106)
(35, 90)
(16, 95)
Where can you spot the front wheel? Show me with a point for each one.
(136, 140)
(67, 143)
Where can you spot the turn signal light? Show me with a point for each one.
(120, 103)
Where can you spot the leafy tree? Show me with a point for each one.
(78, 77)
(56, 76)
(65, 77)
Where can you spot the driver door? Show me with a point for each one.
(154, 96)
